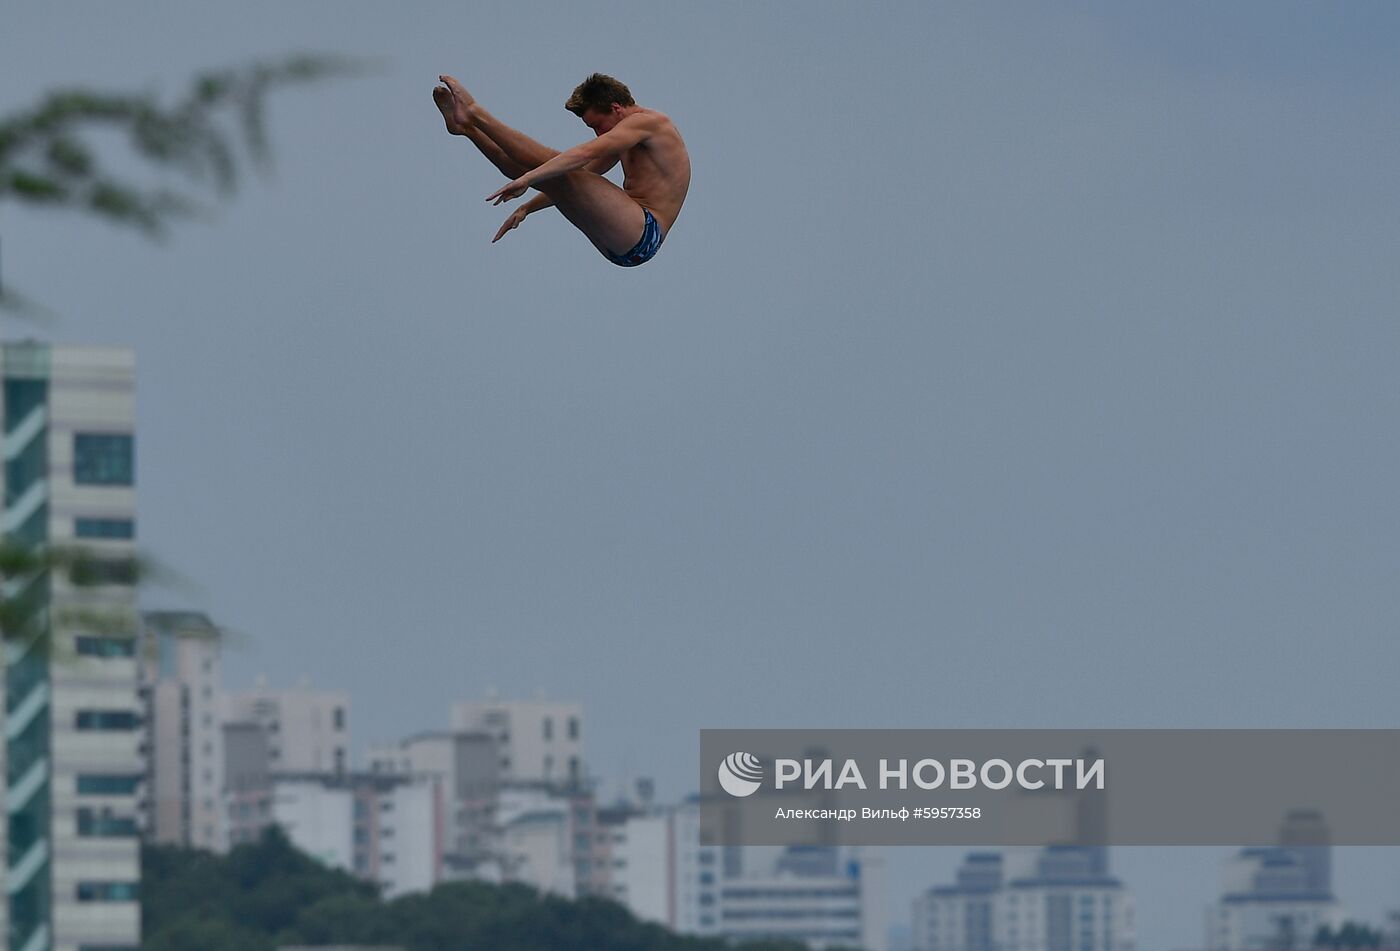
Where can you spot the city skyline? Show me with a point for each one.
(1057, 390)
(1238, 874)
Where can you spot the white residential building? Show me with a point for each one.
(1059, 898)
(308, 730)
(318, 817)
(381, 828)
(822, 897)
(407, 852)
(961, 917)
(642, 846)
(72, 713)
(183, 733)
(538, 741)
(465, 770)
(536, 840)
(1273, 898)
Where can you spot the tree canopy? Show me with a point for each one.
(48, 158)
(266, 895)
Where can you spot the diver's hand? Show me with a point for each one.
(508, 192)
(511, 223)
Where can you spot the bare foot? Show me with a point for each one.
(458, 91)
(457, 115)
(466, 102)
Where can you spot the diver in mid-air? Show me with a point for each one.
(626, 224)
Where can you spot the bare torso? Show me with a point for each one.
(656, 173)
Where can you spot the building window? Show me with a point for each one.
(107, 891)
(105, 825)
(338, 718)
(573, 728)
(107, 720)
(103, 459)
(105, 646)
(88, 572)
(548, 728)
(100, 784)
(104, 528)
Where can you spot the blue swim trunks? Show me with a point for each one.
(645, 249)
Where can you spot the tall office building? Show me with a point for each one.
(183, 729)
(1277, 896)
(1058, 898)
(72, 715)
(1066, 901)
(960, 917)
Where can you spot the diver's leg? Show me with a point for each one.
(517, 146)
(607, 215)
(459, 122)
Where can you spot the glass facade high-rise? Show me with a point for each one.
(72, 773)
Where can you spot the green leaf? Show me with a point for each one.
(36, 188)
(70, 157)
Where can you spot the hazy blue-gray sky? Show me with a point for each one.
(1007, 367)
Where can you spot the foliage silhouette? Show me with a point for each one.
(47, 158)
(266, 895)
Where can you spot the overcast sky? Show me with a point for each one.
(1006, 368)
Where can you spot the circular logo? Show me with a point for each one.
(740, 774)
